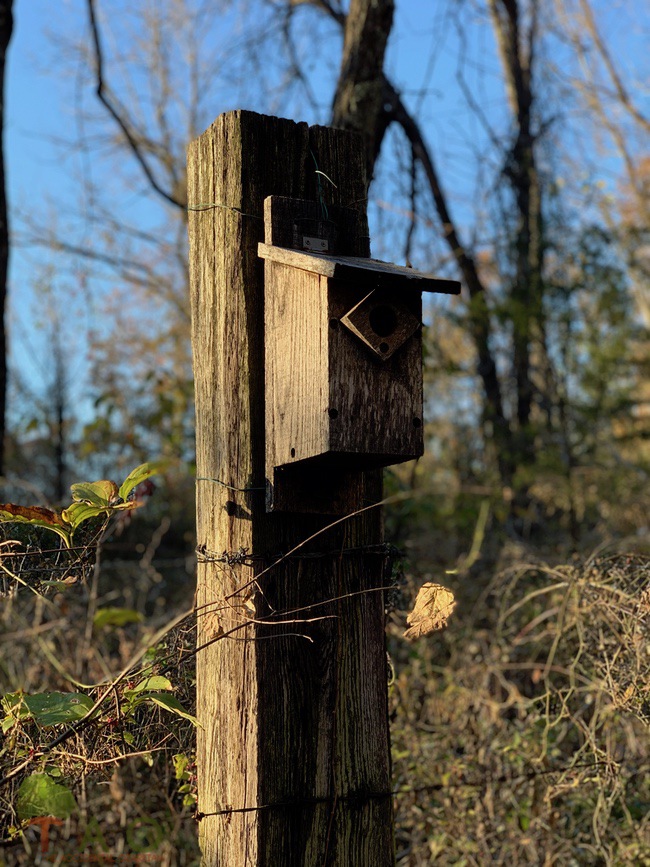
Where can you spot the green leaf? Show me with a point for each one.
(181, 763)
(142, 691)
(170, 703)
(54, 708)
(155, 682)
(77, 513)
(139, 474)
(38, 516)
(102, 494)
(11, 701)
(39, 795)
(116, 617)
(15, 709)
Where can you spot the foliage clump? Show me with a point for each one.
(97, 701)
(520, 731)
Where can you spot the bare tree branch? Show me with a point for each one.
(120, 120)
(621, 91)
(334, 12)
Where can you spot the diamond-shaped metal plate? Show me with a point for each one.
(381, 322)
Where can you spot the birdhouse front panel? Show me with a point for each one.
(349, 393)
(297, 364)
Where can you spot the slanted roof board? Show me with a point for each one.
(367, 272)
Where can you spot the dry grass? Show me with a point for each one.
(520, 734)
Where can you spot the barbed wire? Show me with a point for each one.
(362, 797)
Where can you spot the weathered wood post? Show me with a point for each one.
(293, 753)
(293, 750)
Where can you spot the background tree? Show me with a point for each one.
(44, 436)
(6, 27)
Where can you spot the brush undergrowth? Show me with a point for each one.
(520, 734)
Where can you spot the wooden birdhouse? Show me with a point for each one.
(343, 346)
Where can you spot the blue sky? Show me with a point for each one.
(38, 111)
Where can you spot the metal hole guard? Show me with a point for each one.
(382, 323)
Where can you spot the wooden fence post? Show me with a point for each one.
(293, 750)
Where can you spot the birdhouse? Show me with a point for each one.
(343, 345)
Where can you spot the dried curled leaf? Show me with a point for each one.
(30, 515)
(39, 517)
(433, 608)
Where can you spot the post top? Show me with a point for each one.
(371, 272)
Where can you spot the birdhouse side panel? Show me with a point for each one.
(296, 364)
(375, 404)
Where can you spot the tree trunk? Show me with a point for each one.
(358, 102)
(6, 27)
(516, 49)
(293, 747)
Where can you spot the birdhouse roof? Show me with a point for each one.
(364, 272)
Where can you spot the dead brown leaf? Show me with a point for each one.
(433, 608)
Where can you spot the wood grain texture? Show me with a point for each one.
(328, 398)
(293, 715)
(297, 364)
(378, 402)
